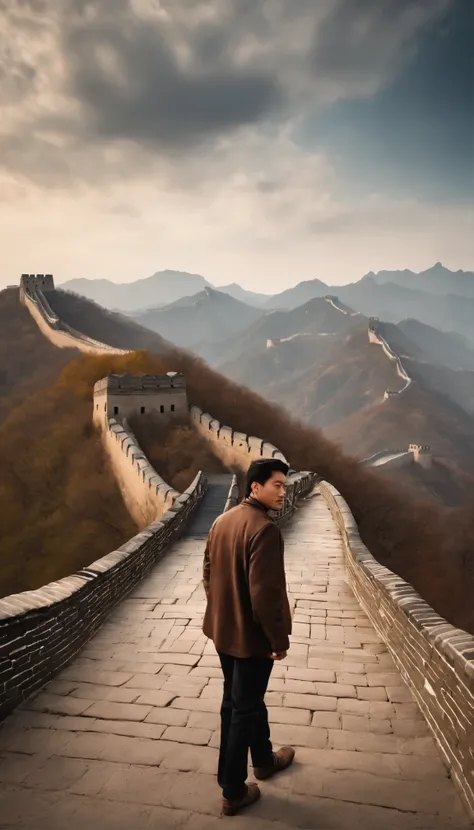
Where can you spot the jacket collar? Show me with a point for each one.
(252, 502)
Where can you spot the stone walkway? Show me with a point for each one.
(126, 738)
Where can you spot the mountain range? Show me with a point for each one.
(438, 297)
(317, 362)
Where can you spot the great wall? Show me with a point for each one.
(113, 682)
(376, 337)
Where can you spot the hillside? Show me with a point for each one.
(106, 326)
(448, 312)
(27, 360)
(245, 296)
(315, 319)
(276, 361)
(177, 450)
(439, 347)
(341, 380)
(444, 483)
(457, 386)
(416, 540)
(60, 507)
(338, 383)
(199, 321)
(421, 414)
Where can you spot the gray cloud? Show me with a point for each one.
(170, 77)
(368, 40)
(144, 94)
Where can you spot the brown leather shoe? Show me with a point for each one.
(281, 760)
(231, 807)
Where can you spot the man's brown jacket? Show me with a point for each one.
(247, 614)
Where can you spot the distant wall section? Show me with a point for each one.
(376, 338)
(416, 454)
(33, 288)
(344, 309)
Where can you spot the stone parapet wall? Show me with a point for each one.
(237, 450)
(146, 495)
(58, 333)
(376, 338)
(41, 631)
(233, 497)
(435, 659)
(336, 303)
(378, 456)
(415, 454)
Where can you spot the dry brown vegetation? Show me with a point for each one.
(174, 449)
(421, 542)
(429, 547)
(27, 360)
(109, 327)
(60, 507)
(444, 482)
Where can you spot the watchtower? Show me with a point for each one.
(35, 282)
(373, 323)
(422, 455)
(120, 396)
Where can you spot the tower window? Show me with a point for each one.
(105, 407)
(142, 410)
(162, 409)
(115, 410)
(172, 407)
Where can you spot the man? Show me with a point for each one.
(248, 618)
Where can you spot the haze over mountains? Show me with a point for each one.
(192, 321)
(308, 349)
(438, 297)
(55, 475)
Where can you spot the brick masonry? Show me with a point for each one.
(42, 630)
(238, 450)
(435, 659)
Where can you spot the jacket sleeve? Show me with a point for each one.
(267, 585)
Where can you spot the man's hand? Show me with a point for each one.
(278, 655)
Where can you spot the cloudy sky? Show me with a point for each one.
(262, 141)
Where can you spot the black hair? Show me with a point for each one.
(262, 469)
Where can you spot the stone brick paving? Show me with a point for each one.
(126, 737)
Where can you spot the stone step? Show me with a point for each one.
(212, 505)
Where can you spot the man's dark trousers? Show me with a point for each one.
(244, 721)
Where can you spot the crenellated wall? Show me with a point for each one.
(435, 659)
(236, 451)
(125, 395)
(41, 631)
(146, 495)
(416, 454)
(57, 332)
(376, 337)
(336, 303)
(422, 455)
